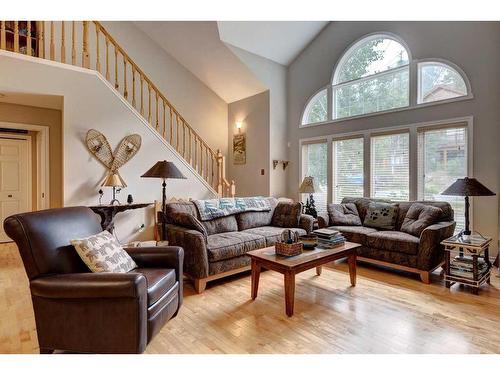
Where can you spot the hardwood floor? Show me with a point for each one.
(386, 312)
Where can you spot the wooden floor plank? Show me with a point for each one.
(387, 312)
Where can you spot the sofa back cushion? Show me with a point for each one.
(221, 225)
(362, 204)
(186, 220)
(287, 215)
(419, 217)
(344, 214)
(381, 215)
(248, 220)
(174, 207)
(447, 213)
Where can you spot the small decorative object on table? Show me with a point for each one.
(467, 261)
(130, 199)
(309, 241)
(307, 187)
(288, 245)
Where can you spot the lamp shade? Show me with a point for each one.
(114, 180)
(467, 187)
(164, 169)
(307, 185)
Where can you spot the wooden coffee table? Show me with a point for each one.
(290, 266)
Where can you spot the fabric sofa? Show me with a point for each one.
(216, 248)
(395, 248)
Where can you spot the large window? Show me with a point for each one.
(438, 81)
(442, 158)
(316, 110)
(372, 76)
(314, 164)
(347, 168)
(390, 172)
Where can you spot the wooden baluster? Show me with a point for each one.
(207, 166)
(52, 46)
(85, 44)
(171, 126)
(150, 117)
(116, 68)
(157, 113)
(142, 95)
(73, 43)
(213, 169)
(125, 92)
(28, 38)
(3, 39)
(177, 131)
(201, 161)
(41, 38)
(183, 139)
(107, 58)
(190, 142)
(63, 43)
(133, 86)
(196, 154)
(98, 53)
(164, 121)
(16, 36)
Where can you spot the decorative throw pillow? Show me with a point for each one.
(419, 217)
(287, 215)
(344, 214)
(186, 220)
(102, 253)
(381, 215)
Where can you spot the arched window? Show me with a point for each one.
(372, 76)
(439, 81)
(316, 109)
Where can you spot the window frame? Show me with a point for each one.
(307, 107)
(314, 141)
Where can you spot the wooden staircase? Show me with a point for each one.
(70, 42)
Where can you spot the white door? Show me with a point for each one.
(14, 179)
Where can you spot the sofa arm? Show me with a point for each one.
(194, 244)
(306, 222)
(431, 252)
(323, 220)
(90, 285)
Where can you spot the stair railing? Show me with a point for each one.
(101, 52)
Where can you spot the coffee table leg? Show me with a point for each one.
(289, 292)
(255, 278)
(352, 268)
(318, 270)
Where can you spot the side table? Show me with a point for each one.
(107, 213)
(467, 261)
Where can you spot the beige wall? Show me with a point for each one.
(53, 120)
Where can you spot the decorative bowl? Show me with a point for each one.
(310, 241)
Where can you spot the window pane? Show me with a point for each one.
(390, 166)
(439, 82)
(380, 93)
(370, 57)
(347, 169)
(314, 157)
(316, 109)
(442, 158)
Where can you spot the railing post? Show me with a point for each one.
(85, 45)
(16, 36)
(52, 47)
(63, 43)
(28, 38)
(3, 39)
(73, 43)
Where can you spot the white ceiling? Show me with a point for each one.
(279, 41)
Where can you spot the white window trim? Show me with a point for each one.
(366, 134)
(310, 102)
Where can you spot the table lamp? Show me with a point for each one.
(307, 187)
(163, 169)
(115, 181)
(467, 187)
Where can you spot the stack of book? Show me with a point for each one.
(461, 266)
(328, 238)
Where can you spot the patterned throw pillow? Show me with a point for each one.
(419, 217)
(287, 215)
(102, 253)
(381, 215)
(344, 214)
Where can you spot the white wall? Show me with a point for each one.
(471, 45)
(89, 102)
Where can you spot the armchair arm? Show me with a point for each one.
(306, 222)
(194, 244)
(323, 220)
(90, 285)
(159, 256)
(430, 249)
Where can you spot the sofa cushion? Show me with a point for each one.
(381, 215)
(273, 234)
(186, 207)
(158, 280)
(362, 204)
(232, 244)
(287, 215)
(447, 210)
(393, 241)
(186, 220)
(419, 217)
(221, 225)
(343, 214)
(354, 233)
(247, 220)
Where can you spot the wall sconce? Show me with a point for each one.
(238, 126)
(284, 162)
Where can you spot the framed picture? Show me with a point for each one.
(239, 149)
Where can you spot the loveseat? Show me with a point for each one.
(416, 250)
(216, 248)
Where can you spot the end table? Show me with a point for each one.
(467, 261)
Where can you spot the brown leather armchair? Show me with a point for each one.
(80, 311)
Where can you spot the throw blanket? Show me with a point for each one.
(213, 208)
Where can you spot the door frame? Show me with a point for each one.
(43, 165)
(26, 138)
